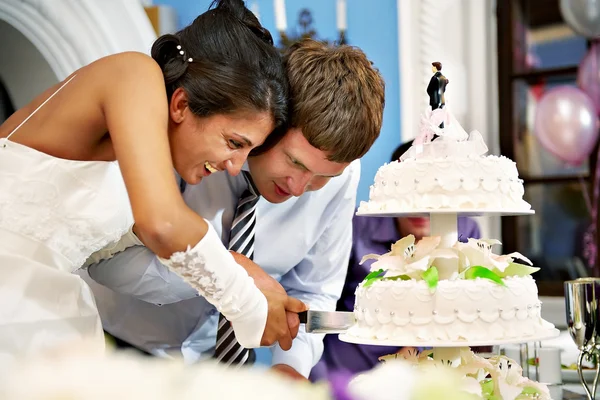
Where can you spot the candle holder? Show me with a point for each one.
(306, 31)
(583, 322)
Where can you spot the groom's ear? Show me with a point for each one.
(178, 105)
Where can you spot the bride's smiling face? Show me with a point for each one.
(204, 145)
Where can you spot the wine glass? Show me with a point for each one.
(583, 322)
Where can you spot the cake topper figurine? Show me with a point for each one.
(437, 87)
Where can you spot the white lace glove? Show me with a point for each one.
(127, 240)
(210, 269)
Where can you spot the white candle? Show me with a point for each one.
(254, 9)
(549, 367)
(280, 19)
(341, 15)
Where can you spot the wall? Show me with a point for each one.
(26, 72)
(372, 26)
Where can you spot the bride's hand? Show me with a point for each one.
(277, 328)
(265, 282)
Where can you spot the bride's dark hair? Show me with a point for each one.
(234, 64)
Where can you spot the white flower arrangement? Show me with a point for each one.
(78, 374)
(408, 258)
(498, 377)
(479, 252)
(475, 259)
(399, 380)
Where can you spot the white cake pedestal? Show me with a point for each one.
(448, 350)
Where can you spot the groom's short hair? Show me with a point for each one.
(336, 98)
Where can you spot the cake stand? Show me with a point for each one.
(443, 223)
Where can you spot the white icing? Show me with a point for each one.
(450, 172)
(467, 182)
(459, 310)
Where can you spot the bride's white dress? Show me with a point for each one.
(54, 213)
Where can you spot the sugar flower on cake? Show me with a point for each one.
(510, 383)
(399, 380)
(408, 258)
(478, 253)
(495, 378)
(500, 378)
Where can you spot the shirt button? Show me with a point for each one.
(213, 312)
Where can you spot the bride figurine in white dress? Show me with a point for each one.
(209, 94)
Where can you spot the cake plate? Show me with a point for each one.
(464, 212)
(345, 337)
(448, 351)
(444, 223)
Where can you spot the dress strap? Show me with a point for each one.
(40, 106)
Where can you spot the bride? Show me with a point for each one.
(208, 95)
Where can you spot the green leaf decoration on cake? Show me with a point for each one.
(373, 274)
(372, 277)
(431, 277)
(379, 276)
(516, 269)
(487, 388)
(530, 391)
(484, 273)
(397, 278)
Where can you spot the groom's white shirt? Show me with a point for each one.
(304, 243)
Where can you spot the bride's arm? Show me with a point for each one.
(135, 107)
(137, 115)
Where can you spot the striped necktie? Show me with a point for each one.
(241, 240)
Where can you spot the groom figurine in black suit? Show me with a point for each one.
(437, 87)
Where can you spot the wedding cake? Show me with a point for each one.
(440, 292)
(451, 172)
(411, 297)
(428, 292)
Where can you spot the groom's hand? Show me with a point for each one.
(264, 281)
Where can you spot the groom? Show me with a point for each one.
(307, 184)
(437, 87)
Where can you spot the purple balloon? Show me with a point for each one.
(566, 124)
(588, 75)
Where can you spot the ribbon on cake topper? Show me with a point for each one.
(452, 141)
(429, 126)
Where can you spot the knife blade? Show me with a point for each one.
(326, 321)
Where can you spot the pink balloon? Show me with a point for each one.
(566, 124)
(588, 75)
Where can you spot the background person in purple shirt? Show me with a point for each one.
(373, 235)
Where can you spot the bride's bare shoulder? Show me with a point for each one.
(125, 64)
(117, 74)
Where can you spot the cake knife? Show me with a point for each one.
(327, 321)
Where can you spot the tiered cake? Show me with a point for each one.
(450, 172)
(411, 297)
(436, 291)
